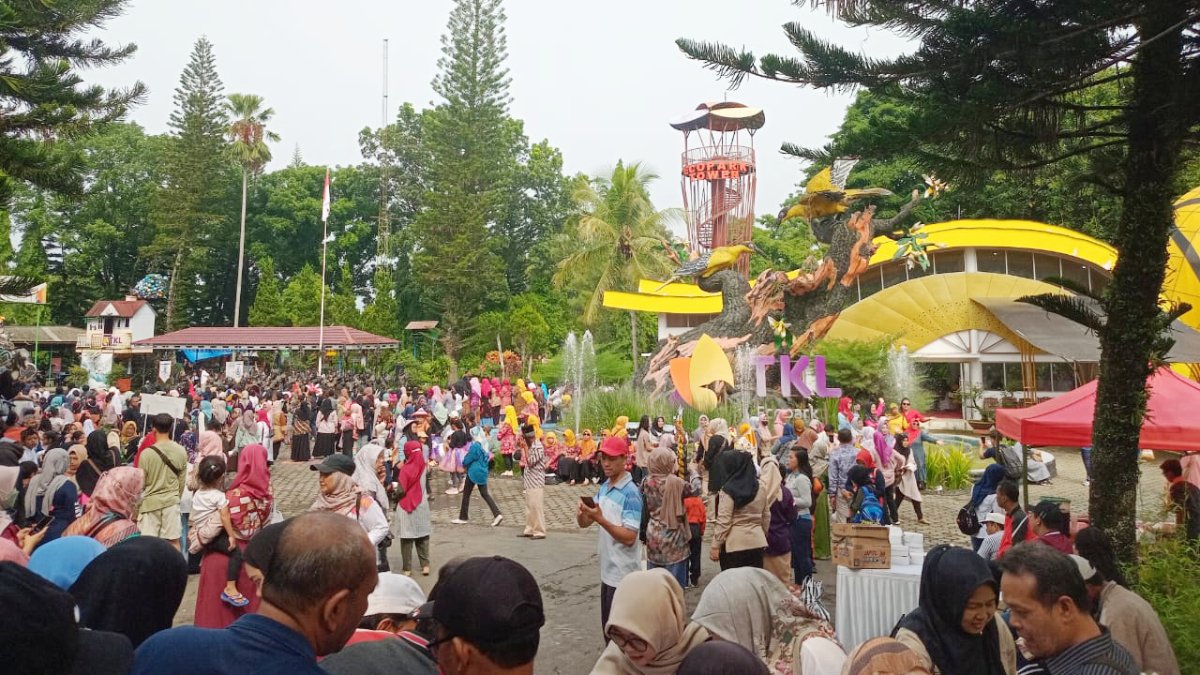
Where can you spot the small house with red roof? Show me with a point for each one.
(115, 325)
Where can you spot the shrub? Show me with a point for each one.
(602, 407)
(950, 468)
(1167, 580)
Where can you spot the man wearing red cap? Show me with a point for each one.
(618, 512)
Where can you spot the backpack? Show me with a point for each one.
(1010, 459)
(869, 508)
(968, 520)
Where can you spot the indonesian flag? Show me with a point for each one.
(325, 200)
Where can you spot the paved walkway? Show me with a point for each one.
(565, 563)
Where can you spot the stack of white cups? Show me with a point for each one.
(914, 543)
(899, 550)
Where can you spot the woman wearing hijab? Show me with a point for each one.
(659, 427)
(665, 528)
(327, 430)
(743, 510)
(508, 433)
(368, 474)
(906, 482)
(129, 433)
(209, 445)
(983, 498)
(718, 443)
(301, 448)
(51, 494)
(134, 589)
(752, 608)
(100, 458)
(648, 628)
(108, 517)
(247, 431)
(340, 494)
(568, 459)
(413, 524)
(589, 467)
(955, 627)
(251, 502)
(62, 561)
(883, 656)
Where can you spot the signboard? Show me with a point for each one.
(235, 370)
(717, 170)
(175, 406)
(164, 370)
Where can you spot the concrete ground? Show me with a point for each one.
(565, 563)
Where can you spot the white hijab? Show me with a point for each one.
(364, 473)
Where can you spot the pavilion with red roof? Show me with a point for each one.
(269, 338)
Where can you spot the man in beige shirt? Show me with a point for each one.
(1131, 620)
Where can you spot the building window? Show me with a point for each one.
(687, 320)
(893, 273)
(993, 376)
(1045, 266)
(1075, 272)
(990, 260)
(1064, 377)
(1020, 264)
(1012, 377)
(946, 262)
(870, 283)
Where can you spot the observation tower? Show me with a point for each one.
(719, 174)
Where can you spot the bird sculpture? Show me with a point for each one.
(708, 264)
(827, 195)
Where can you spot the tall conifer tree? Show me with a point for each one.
(197, 170)
(471, 144)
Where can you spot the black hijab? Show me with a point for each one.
(948, 579)
(25, 471)
(716, 446)
(741, 480)
(327, 407)
(718, 657)
(860, 476)
(133, 588)
(101, 455)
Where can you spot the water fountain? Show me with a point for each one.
(579, 369)
(743, 376)
(902, 376)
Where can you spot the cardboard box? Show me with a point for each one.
(861, 546)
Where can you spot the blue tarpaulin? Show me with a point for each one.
(195, 355)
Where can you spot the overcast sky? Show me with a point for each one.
(599, 80)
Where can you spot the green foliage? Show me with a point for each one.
(77, 376)
(1167, 580)
(43, 96)
(859, 367)
(118, 371)
(612, 367)
(419, 372)
(268, 308)
(948, 467)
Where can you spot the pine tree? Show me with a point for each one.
(32, 261)
(41, 92)
(1012, 86)
(268, 306)
(472, 148)
(197, 170)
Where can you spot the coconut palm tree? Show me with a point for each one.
(618, 239)
(248, 138)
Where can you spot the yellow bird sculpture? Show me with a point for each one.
(707, 264)
(826, 194)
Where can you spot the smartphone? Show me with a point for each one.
(42, 524)
(588, 501)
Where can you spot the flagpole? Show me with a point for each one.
(324, 247)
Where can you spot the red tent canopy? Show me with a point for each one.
(1171, 421)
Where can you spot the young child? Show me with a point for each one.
(209, 525)
(697, 515)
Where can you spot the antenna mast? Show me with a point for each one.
(385, 220)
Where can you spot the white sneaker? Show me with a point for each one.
(497, 519)
(452, 491)
(459, 521)
(507, 473)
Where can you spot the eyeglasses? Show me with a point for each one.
(633, 642)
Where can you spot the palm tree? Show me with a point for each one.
(619, 239)
(248, 138)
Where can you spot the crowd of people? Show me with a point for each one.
(106, 507)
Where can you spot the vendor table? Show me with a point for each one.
(870, 602)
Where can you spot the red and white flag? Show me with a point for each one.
(325, 200)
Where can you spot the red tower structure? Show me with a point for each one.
(719, 174)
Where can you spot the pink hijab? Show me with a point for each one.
(211, 445)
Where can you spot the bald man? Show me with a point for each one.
(315, 587)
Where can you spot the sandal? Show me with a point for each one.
(237, 600)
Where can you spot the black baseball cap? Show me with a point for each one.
(335, 463)
(1050, 513)
(489, 601)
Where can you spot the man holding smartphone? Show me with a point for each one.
(617, 509)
